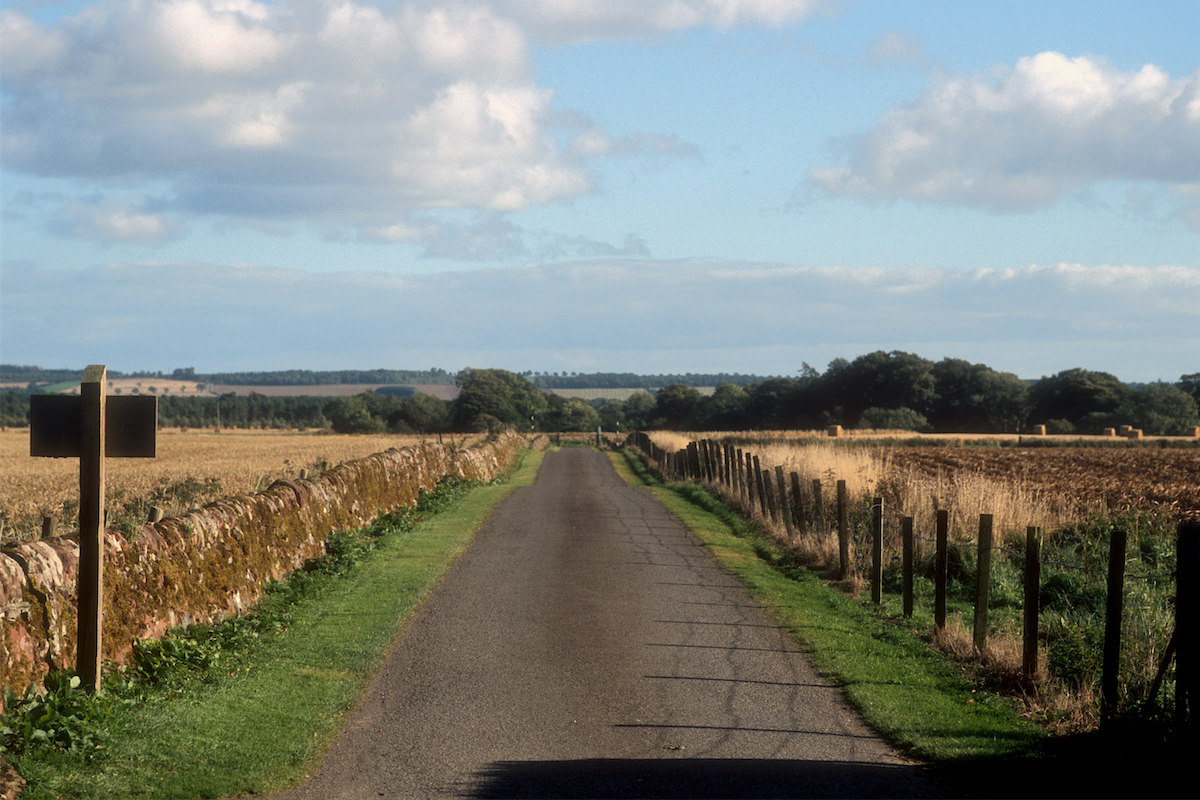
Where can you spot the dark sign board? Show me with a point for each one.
(130, 423)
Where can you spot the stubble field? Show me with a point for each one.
(239, 460)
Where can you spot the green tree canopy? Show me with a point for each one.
(488, 398)
(1073, 394)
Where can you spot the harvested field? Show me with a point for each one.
(1089, 478)
(240, 460)
(438, 390)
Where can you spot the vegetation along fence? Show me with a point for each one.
(1109, 610)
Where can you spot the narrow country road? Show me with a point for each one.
(587, 646)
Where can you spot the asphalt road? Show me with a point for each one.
(587, 646)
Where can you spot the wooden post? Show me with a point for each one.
(49, 526)
(843, 522)
(740, 472)
(91, 428)
(769, 491)
(906, 532)
(939, 568)
(1187, 619)
(798, 501)
(1033, 588)
(785, 508)
(90, 608)
(762, 492)
(877, 550)
(1113, 609)
(818, 507)
(983, 581)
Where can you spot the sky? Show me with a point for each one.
(649, 186)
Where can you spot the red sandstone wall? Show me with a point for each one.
(210, 562)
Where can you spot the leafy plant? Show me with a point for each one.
(61, 716)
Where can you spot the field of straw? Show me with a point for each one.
(241, 461)
(1048, 487)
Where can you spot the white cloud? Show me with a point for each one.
(337, 112)
(569, 21)
(610, 313)
(324, 109)
(112, 222)
(1027, 136)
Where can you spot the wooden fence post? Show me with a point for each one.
(940, 564)
(1113, 609)
(843, 527)
(877, 550)
(741, 475)
(1187, 619)
(819, 507)
(1033, 588)
(983, 581)
(785, 508)
(798, 499)
(906, 532)
(762, 492)
(769, 491)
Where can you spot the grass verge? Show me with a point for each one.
(257, 728)
(903, 689)
(974, 740)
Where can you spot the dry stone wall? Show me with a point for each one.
(210, 562)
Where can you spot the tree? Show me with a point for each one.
(1161, 409)
(1074, 394)
(893, 419)
(973, 398)
(675, 407)
(568, 414)
(878, 380)
(725, 409)
(639, 411)
(772, 404)
(491, 398)
(420, 413)
(354, 414)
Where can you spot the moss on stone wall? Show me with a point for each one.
(213, 561)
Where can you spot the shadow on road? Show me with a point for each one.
(698, 778)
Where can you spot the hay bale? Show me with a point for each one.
(1110, 432)
(1039, 430)
(1194, 432)
(1134, 433)
(834, 430)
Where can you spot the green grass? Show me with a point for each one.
(903, 689)
(259, 728)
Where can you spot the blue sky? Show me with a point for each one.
(647, 186)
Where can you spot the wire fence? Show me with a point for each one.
(1095, 608)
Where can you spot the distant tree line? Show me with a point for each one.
(11, 373)
(629, 380)
(894, 390)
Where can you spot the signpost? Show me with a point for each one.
(90, 427)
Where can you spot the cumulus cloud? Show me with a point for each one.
(337, 112)
(1027, 136)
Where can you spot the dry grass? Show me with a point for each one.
(1016, 499)
(240, 460)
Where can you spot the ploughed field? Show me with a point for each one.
(1099, 478)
